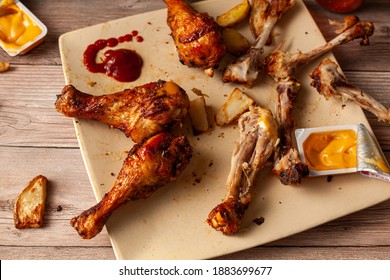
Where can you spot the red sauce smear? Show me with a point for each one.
(123, 65)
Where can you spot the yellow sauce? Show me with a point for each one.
(267, 123)
(331, 150)
(6, 2)
(17, 28)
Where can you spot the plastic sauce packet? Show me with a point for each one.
(367, 156)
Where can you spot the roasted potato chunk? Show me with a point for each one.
(234, 15)
(29, 207)
(198, 114)
(4, 66)
(235, 42)
(237, 103)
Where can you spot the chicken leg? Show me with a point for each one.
(329, 81)
(257, 142)
(196, 35)
(158, 161)
(139, 112)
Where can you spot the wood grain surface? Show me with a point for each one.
(35, 139)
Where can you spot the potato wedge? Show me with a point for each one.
(4, 66)
(29, 207)
(235, 42)
(198, 114)
(235, 15)
(237, 103)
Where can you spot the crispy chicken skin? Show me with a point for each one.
(196, 35)
(139, 112)
(148, 166)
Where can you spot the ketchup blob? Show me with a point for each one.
(123, 65)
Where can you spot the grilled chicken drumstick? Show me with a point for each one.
(329, 81)
(257, 142)
(246, 68)
(139, 112)
(149, 166)
(196, 35)
(281, 66)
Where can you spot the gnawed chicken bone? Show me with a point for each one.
(330, 82)
(280, 65)
(246, 68)
(288, 167)
(257, 142)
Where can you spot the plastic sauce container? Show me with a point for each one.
(340, 149)
(341, 6)
(20, 30)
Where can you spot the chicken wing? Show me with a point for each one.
(258, 141)
(139, 112)
(148, 166)
(196, 35)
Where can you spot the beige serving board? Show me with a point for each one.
(171, 224)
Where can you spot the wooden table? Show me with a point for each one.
(35, 139)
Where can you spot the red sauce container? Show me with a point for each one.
(341, 6)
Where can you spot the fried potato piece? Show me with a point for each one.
(198, 114)
(237, 103)
(4, 66)
(235, 42)
(29, 207)
(234, 15)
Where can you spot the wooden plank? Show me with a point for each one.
(69, 188)
(56, 253)
(257, 253)
(352, 57)
(28, 116)
(62, 21)
(68, 183)
(311, 253)
(35, 139)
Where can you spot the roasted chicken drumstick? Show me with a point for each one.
(257, 142)
(139, 112)
(246, 68)
(329, 81)
(149, 166)
(281, 66)
(196, 35)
